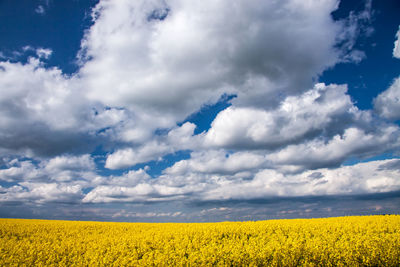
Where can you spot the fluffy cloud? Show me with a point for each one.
(138, 187)
(19, 171)
(59, 179)
(361, 178)
(104, 194)
(42, 193)
(43, 112)
(34, 93)
(322, 110)
(178, 138)
(199, 184)
(140, 193)
(59, 169)
(320, 128)
(387, 103)
(128, 157)
(353, 142)
(130, 178)
(63, 163)
(147, 65)
(238, 176)
(396, 49)
(170, 65)
(218, 162)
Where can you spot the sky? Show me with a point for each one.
(199, 111)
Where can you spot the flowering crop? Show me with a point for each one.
(344, 241)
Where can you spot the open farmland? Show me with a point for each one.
(343, 241)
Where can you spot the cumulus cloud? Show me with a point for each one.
(140, 193)
(148, 65)
(320, 128)
(59, 179)
(128, 157)
(58, 169)
(19, 171)
(105, 194)
(201, 185)
(218, 162)
(321, 110)
(25, 104)
(356, 179)
(353, 142)
(138, 187)
(43, 112)
(178, 138)
(64, 163)
(396, 49)
(387, 103)
(130, 178)
(169, 68)
(42, 193)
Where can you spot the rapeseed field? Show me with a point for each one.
(344, 241)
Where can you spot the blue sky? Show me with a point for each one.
(180, 111)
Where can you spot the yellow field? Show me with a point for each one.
(345, 241)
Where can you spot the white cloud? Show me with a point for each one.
(62, 179)
(33, 91)
(70, 169)
(36, 104)
(356, 25)
(147, 65)
(43, 112)
(170, 68)
(357, 179)
(387, 103)
(131, 178)
(63, 163)
(138, 186)
(18, 171)
(197, 185)
(218, 162)
(106, 194)
(396, 49)
(182, 137)
(178, 138)
(242, 175)
(128, 157)
(327, 153)
(40, 10)
(140, 193)
(42, 193)
(324, 108)
(44, 53)
(320, 128)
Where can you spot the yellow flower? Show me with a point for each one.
(345, 241)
